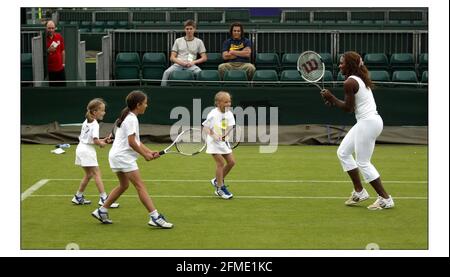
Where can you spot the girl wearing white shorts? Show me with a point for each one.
(86, 156)
(362, 136)
(122, 159)
(218, 121)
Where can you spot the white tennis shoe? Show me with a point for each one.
(160, 221)
(382, 203)
(223, 192)
(101, 216)
(357, 197)
(80, 200)
(101, 201)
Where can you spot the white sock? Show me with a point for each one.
(154, 214)
(103, 195)
(79, 194)
(103, 210)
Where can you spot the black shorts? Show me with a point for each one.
(57, 76)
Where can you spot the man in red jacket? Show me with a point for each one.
(55, 55)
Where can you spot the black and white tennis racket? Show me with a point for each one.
(311, 68)
(232, 136)
(188, 143)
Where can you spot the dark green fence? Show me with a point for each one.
(397, 106)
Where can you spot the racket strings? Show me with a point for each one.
(311, 67)
(234, 136)
(191, 142)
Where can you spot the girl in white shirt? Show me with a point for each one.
(362, 136)
(86, 157)
(122, 159)
(217, 122)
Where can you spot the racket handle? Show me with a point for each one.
(162, 152)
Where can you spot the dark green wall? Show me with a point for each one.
(397, 106)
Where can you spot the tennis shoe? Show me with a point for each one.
(357, 197)
(160, 221)
(223, 192)
(80, 200)
(101, 201)
(382, 203)
(214, 182)
(101, 216)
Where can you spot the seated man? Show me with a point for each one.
(236, 51)
(185, 51)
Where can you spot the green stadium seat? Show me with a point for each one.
(209, 17)
(327, 59)
(423, 62)
(153, 66)
(328, 76)
(240, 15)
(181, 16)
(267, 61)
(290, 75)
(122, 24)
(211, 76)
(26, 67)
(289, 61)
(381, 76)
(214, 59)
(127, 66)
(376, 61)
(235, 75)
(182, 75)
(340, 77)
(425, 77)
(267, 75)
(402, 61)
(111, 24)
(404, 77)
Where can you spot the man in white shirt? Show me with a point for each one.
(185, 51)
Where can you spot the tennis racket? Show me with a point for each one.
(232, 136)
(112, 134)
(311, 68)
(188, 143)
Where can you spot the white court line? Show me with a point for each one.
(242, 196)
(252, 181)
(34, 188)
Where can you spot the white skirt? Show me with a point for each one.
(216, 147)
(86, 155)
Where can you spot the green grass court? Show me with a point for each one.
(292, 199)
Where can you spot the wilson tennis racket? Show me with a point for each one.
(311, 68)
(188, 143)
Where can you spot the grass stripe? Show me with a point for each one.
(253, 181)
(242, 196)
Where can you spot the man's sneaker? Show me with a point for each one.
(101, 201)
(382, 203)
(357, 197)
(223, 192)
(160, 221)
(101, 216)
(80, 200)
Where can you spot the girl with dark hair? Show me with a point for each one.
(362, 136)
(122, 159)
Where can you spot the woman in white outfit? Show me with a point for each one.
(362, 136)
